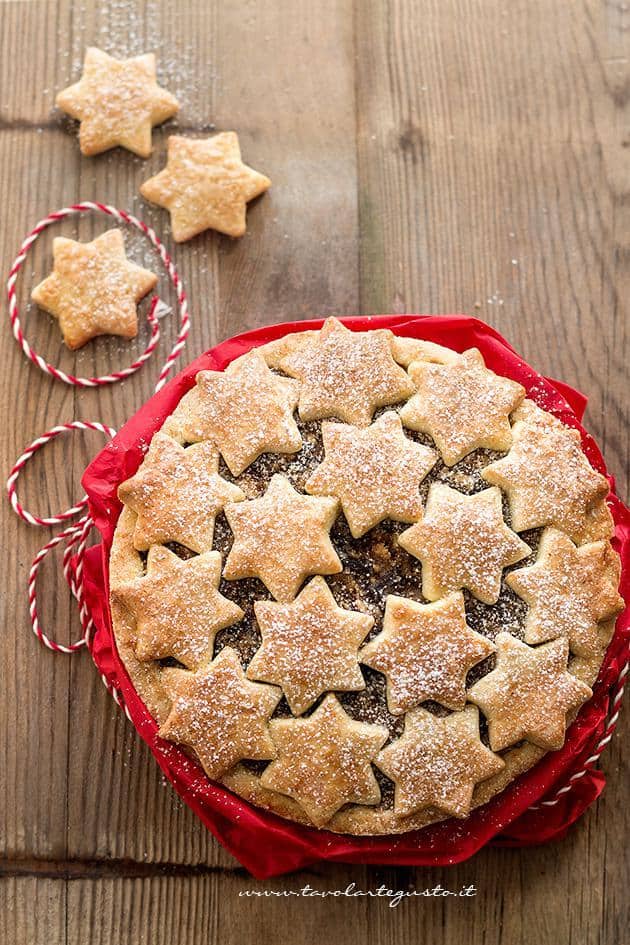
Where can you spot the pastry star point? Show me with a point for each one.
(347, 374)
(529, 693)
(463, 542)
(374, 471)
(117, 103)
(547, 477)
(281, 538)
(177, 606)
(463, 406)
(324, 761)
(570, 591)
(93, 289)
(176, 494)
(246, 410)
(437, 762)
(205, 185)
(425, 652)
(309, 646)
(219, 713)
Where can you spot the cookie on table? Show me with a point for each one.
(117, 103)
(93, 289)
(205, 185)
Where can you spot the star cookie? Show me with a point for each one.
(570, 591)
(117, 102)
(347, 374)
(324, 761)
(437, 762)
(218, 713)
(177, 607)
(309, 646)
(462, 541)
(425, 652)
(281, 538)
(375, 472)
(246, 410)
(528, 694)
(176, 494)
(547, 477)
(462, 405)
(93, 289)
(205, 185)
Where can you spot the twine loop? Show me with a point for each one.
(75, 537)
(169, 267)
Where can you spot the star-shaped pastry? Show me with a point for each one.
(93, 289)
(177, 606)
(375, 472)
(117, 102)
(347, 374)
(246, 410)
(425, 652)
(205, 185)
(176, 494)
(218, 713)
(570, 591)
(309, 646)
(281, 538)
(528, 694)
(462, 405)
(463, 541)
(437, 762)
(547, 477)
(324, 761)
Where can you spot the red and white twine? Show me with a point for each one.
(75, 538)
(124, 217)
(593, 758)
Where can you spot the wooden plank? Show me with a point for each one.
(35, 685)
(519, 900)
(33, 911)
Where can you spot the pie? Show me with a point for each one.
(363, 581)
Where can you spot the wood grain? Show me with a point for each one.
(441, 155)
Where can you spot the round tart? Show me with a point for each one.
(363, 580)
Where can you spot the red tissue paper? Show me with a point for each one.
(264, 843)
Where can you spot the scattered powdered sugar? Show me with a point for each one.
(375, 566)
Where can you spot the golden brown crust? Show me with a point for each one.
(117, 102)
(93, 289)
(205, 185)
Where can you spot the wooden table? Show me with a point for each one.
(426, 156)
